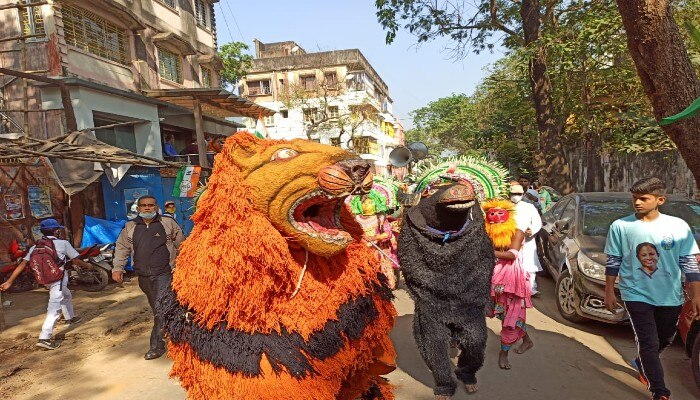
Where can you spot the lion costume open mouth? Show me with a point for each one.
(318, 214)
(274, 296)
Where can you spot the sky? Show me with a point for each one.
(416, 75)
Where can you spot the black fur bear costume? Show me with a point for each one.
(447, 260)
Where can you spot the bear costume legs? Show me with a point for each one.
(433, 337)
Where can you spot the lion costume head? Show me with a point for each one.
(274, 297)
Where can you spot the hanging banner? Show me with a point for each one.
(187, 181)
(13, 206)
(40, 201)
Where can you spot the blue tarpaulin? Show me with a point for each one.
(100, 231)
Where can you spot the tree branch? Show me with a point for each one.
(496, 23)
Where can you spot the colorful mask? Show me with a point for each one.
(368, 207)
(497, 215)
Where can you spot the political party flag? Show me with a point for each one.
(186, 181)
(260, 130)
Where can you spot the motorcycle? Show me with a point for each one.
(96, 278)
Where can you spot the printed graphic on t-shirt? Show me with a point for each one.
(651, 251)
(648, 257)
(667, 243)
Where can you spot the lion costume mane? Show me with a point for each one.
(274, 297)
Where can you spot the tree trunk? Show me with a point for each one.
(550, 159)
(667, 75)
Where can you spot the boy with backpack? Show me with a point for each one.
(47, 260)
(649, 251)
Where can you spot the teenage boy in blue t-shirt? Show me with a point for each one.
(649, 250)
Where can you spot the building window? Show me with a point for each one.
(285, 113)
(118, 136)
(169, 3)
(310, 114)
(206, 77)
(333, 112)
(91, 33)
(31, 19)
(259, 88)
(308, 82)
(269, 120)
(169, 66)
(331, 80)
(366, 145)
(201, 11)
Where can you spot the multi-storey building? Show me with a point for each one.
(333, 97)
(144, 68)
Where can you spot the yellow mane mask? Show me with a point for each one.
(500, 222)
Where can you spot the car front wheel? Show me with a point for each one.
(696, 359)
(566, 297)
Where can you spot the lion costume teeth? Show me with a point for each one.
(236, 331)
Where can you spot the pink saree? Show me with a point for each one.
(510, 297)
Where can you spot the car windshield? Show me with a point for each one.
(598, 215)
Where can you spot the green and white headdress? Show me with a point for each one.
(488, 178)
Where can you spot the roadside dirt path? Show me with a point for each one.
(102, 357)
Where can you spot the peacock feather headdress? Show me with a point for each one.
(487, 177)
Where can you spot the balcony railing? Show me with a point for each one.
(259, 91)
(190, 159)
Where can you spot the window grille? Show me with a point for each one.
(31, 19)
(206, 77)
(333, 112)
(310, 114)
(169, 3)
(169, 66)
(201, 10)
(308, 83)
(331, 80)
(259, 88)
(90, 32)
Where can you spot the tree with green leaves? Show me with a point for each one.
(236, 62)
(665, 69)
(447, 124)
(478, 26)
(595, 92)
(567, 73)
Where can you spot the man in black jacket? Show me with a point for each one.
(152, 243)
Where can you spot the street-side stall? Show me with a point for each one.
(29, 192)
(59, 178)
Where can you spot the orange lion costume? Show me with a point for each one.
(274, 297)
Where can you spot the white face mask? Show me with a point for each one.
(150, 215)
(515, 198)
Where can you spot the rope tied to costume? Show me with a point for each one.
(301, 276)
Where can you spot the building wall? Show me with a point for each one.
(141, 20)
(86, 102)
(616, 172)
(358, 85)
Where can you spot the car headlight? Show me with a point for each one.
(590, 268)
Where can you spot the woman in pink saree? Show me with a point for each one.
(510, 288)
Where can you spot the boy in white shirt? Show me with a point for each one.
(60, 297)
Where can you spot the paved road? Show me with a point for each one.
(102, 358)
(569, 361)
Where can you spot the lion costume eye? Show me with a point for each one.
(284, 154)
